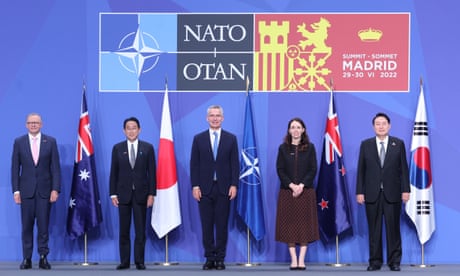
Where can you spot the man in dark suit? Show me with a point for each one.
(214, 171)
(132, 189)
(383, 184)
(36, 179)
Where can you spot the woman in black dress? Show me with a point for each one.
(296, 218)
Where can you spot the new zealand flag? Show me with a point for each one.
(332, 193)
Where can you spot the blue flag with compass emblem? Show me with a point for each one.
(249, 199)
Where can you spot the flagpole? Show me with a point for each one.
(424, 224)
(167, 262)
(248, 231)
(85, 253)
(337, 257)
(337, 248)
(171, 166)
(422, 264)
(83, 158)
(248, 241)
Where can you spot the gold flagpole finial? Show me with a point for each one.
(247, 84)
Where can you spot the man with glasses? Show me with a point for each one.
(132, 190)
(36, 183)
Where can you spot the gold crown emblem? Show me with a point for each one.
(370, 35)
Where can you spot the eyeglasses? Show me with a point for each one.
(33, 123)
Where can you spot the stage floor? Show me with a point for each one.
(101, 269)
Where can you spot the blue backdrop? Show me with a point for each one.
(50, 47)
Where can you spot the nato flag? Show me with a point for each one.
(249, 199)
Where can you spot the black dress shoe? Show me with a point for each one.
(395, 267)
(122, 266)
(43, 263)
(26, 264)
(208, 265)
(140, 266)
(373, 268)
(220, 265)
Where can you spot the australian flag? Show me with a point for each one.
(332, 193)
(249, 199)
(84, 205)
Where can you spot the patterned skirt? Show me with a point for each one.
(297, 218)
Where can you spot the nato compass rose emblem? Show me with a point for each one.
(250, 171)
(138, 52)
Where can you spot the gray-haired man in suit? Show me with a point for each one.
(36, 180)
(214, 171)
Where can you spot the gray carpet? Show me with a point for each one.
(12, 269)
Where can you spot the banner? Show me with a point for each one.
(294, 52)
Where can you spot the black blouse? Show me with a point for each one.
(295, 166)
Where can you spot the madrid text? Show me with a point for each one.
(378, 65)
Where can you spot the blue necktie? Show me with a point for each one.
(214, 150)
(215, 145)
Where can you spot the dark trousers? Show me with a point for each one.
(139, 212)
(214, 212)
(32, 209)
(390, 212)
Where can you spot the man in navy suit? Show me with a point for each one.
(36, 180)
(214, 177)
(383, 184)
(132, 190)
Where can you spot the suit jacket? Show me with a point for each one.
(142, 176)
(203, 165)
(394, 175)
(28, 178)
(296, 169)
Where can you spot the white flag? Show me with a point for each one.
(420, 207)
(166, 208)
